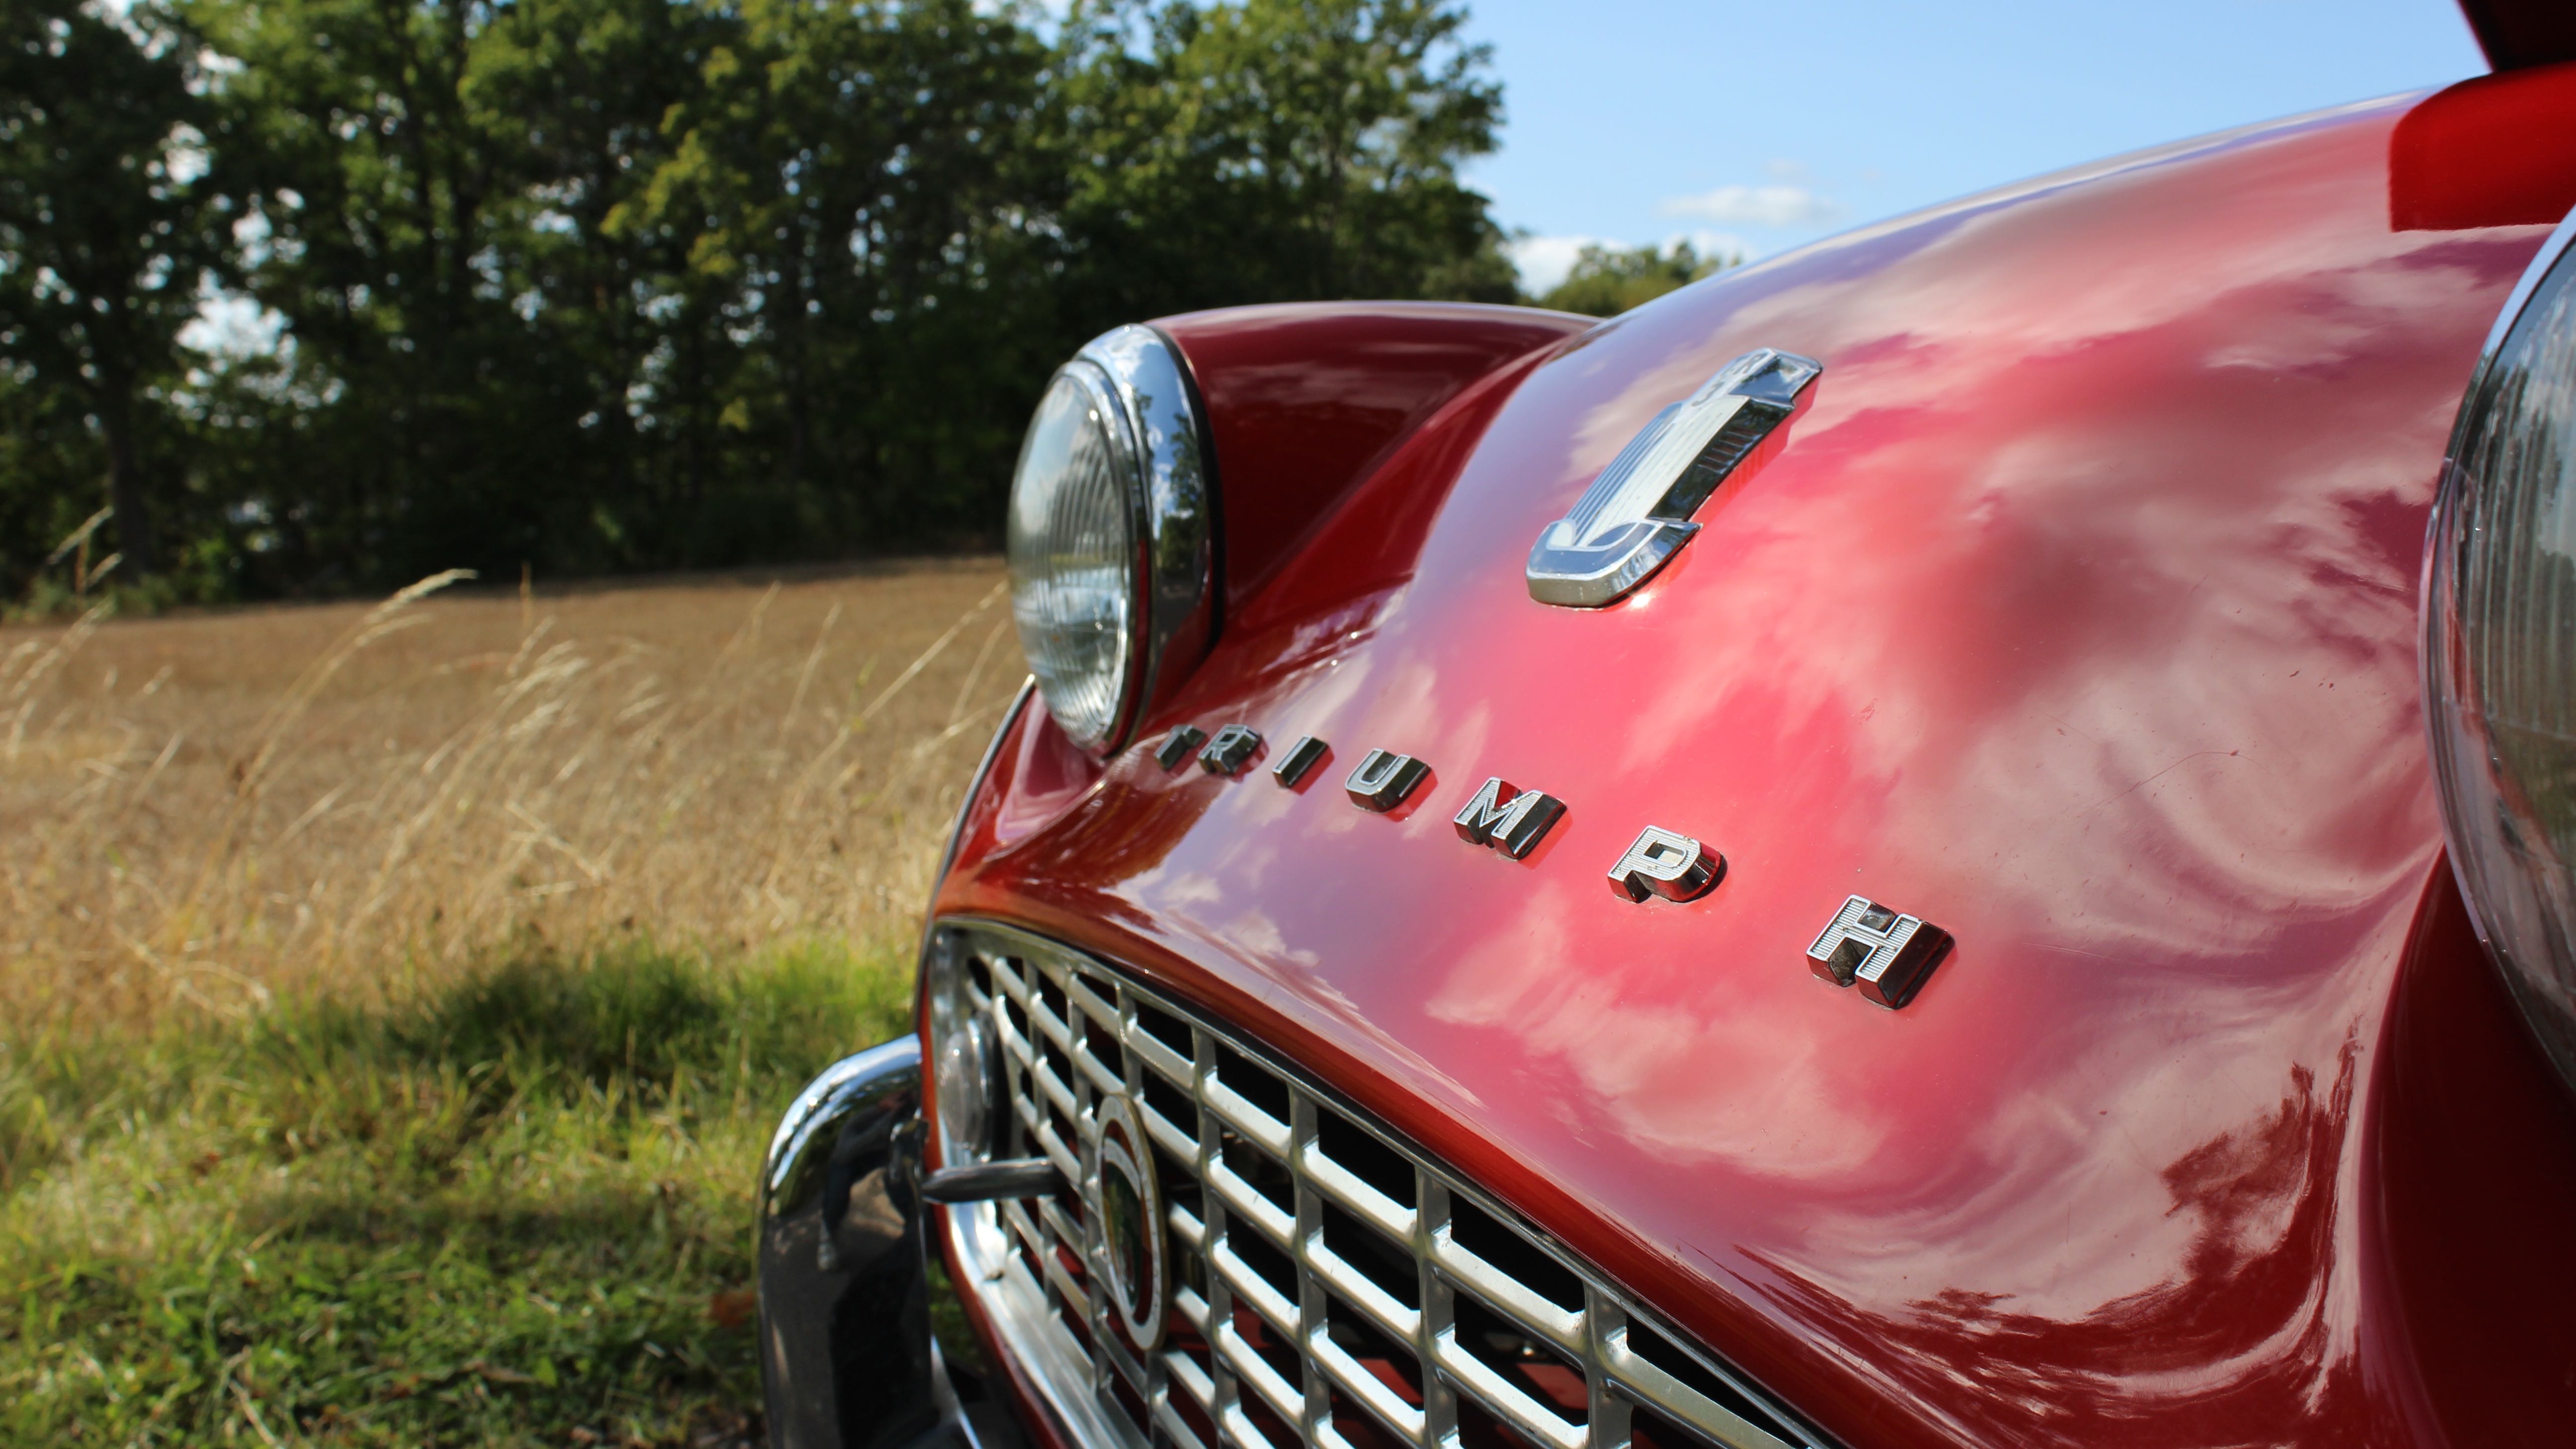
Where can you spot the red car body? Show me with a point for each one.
(2074, 610)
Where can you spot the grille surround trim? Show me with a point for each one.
(1030, 1265)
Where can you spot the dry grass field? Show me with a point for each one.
(206, 811)
(397, 997)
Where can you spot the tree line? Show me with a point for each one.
(326, 294)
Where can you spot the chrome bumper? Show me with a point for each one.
(847, 1360)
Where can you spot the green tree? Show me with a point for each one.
(617, 284)
(105, 234)
(851, 189)
(1607, 281)
(425, 416)
(1274, 150)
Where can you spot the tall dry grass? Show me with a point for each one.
(204, 812)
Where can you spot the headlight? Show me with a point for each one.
(2500, 645)
(965, 1067)
(1111, 540)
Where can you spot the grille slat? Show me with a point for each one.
(1346, 1188)
(1263, 1218)
(1535, 1313)
(1243, 1198)
(1102, 1079)
(1374, 1303)
(1264, 1299)
(1193, 1233)
(1058, 1094)
(1265, 1131)
(1161, 1058)
(1372, 1392)
(1050, 1025)
(1049, 1141)
(1284, 1398)
(1506, 1401)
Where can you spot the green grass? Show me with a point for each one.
(517, 1211)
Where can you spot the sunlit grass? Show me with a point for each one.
(396, 999)
(513, 1210)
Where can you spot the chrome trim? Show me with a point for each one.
(1888, 953)
(2434, 581)
(1178, 746)
(1636, 514)
(1383, 780)
(1514, 827)
(1314, 1255)
(1302, 756)
(1174, 503)
(1231, 750)
(840, 1265)
(993, 1181)
(1666, 863)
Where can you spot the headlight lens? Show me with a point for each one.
(2500, 646)
(964, 1065)
(1074, 568)
(1111, 545)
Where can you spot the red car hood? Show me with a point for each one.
(2075, 613)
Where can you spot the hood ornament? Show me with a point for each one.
(1636, 515)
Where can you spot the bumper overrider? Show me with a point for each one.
(1167, 1234)
(847, 1358)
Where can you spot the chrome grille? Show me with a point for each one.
(1332, 1285)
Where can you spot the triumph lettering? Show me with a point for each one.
(1886, 954)
(1513, 825)
(1383, 780)
(1663, 863)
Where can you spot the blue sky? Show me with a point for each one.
(1755, 127)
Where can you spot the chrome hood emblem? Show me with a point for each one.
(1636, 515)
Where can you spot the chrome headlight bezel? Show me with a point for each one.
(1158, 448)
(2490, 658)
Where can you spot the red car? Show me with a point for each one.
(1914, 845)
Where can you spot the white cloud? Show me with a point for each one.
(1544, 260)
(1715, 244)
(1781, 205)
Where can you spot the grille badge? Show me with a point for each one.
(1131, 1225)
